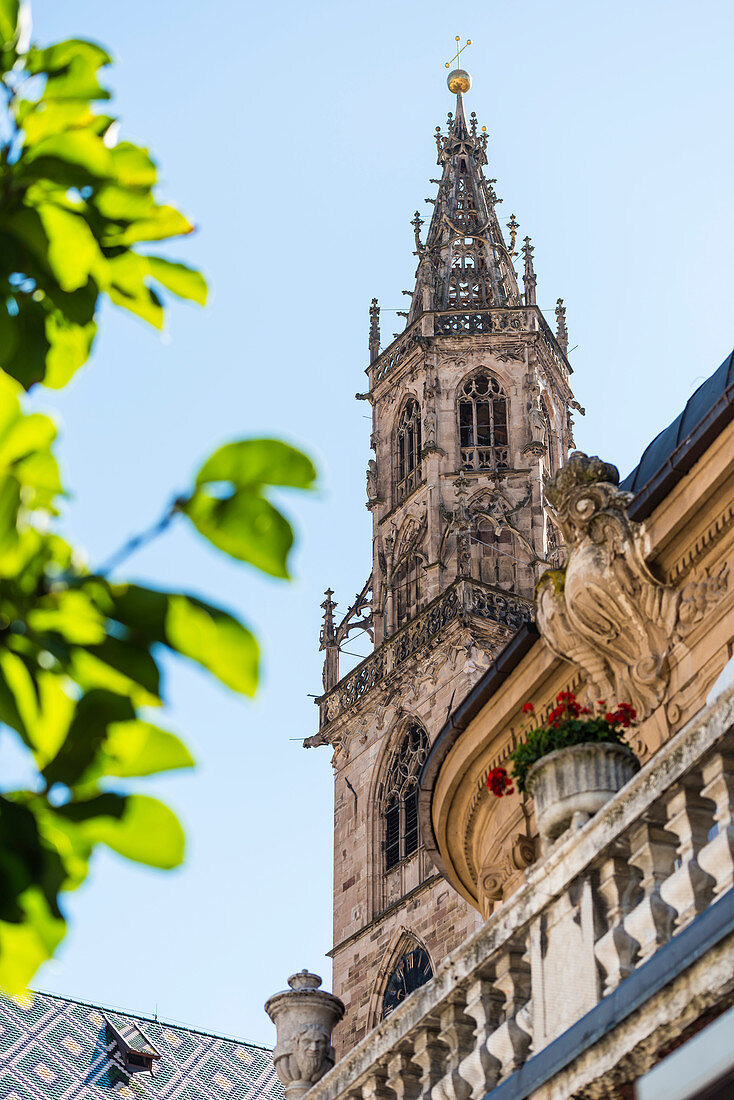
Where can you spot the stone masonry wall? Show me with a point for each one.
(377, 915)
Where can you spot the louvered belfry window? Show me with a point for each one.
(400, 799)
(409, 446)
(483, 424)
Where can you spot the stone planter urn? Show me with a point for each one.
(569, 785)
(304, 1017)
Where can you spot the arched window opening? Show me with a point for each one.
(483, 424)
(400, 798)
(469, 286)
(547, 440)
(409, 448)
(408, 588)
(465, 208)
(411, 972)
(498, 565)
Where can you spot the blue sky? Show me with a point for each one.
(300, 140)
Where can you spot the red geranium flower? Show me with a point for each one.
(499, 782)
(528, 708)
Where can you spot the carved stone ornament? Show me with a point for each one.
(304, 1017)
(606, 611)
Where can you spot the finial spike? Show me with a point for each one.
(374, 340)
(561, 329)
(529, 276)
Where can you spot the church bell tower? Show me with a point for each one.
(471, 407)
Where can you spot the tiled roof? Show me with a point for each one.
(674, 450)
(55, 1049)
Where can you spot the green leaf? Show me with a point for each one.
(196, 630)
(72, 68)
(88, 729)
(246, 527)
(9, 10)
(70, 346)
(228, 506)
(73, 253)
(140, 748)
(255, 463)
(26, 944)
(40, 120)
(161, 223)
(60, 55)
(18, 699)
(70, 613)
(138, 827)
(215, 640)
(122, 203)
(133, 166)
(82, 151)
(123, 667)
(51, 724)
(127, 288)
(179, 279)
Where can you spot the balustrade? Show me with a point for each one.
(599, 904)
(463, 597)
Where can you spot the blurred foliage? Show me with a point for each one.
(79, 651)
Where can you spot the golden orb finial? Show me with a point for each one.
(458, 80)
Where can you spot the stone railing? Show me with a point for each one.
(475, 321)
(395, 353)
(461, 599)
(603, 901)
(504, 320)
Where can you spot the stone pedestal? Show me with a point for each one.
(304, 1016)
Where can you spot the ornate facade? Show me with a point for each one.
(471, 408)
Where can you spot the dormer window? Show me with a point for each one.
(132, 1048)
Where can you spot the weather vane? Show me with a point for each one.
(457, 55)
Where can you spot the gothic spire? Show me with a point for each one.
(465, 262)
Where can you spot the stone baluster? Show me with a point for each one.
(717, 857)
(510, 1042)
(403, 1075)
(457, 1031)
(689, 889)
(430, 1054)
(480, 1068)
(617, 949)
(652, 851)
(374, 1085)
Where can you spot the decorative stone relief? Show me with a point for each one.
(304, 1017)
(606, 611)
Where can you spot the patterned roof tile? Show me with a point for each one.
(56, 1049)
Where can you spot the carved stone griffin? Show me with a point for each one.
(606, 611)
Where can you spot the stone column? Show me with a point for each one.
(304, 1017)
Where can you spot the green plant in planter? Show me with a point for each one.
(568, 724)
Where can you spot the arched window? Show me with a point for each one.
(407, 582)
(400, 797)
(547, 439)
(469, 286)
(483, 424)
(498, 557)
(412, 971)
(409, 448)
